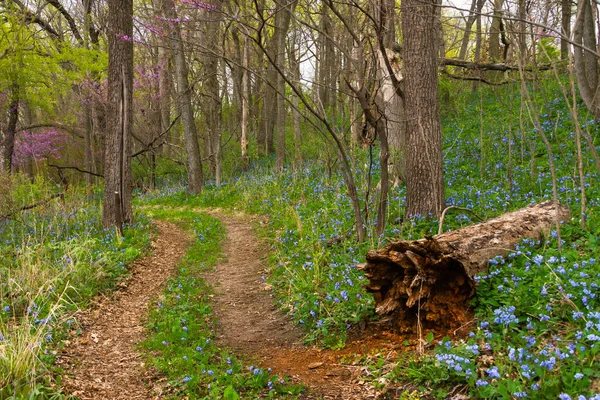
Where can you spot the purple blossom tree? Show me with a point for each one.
(37, 146)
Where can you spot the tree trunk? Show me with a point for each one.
(294, 63)
(522, 35)
(586, 62)
(478, 40)
(117, 143)
(269, 111)
(184, 97)
(473, 13)
(164, 93)
(282, 23)
(495, 29)
(425, 185)
(566, 29)
(11, 129)
(88, 140)
(212, 101)
(325, 57)
(434, 278)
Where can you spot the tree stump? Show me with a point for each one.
(431, 280)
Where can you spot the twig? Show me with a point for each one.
(30, 206)
(150, 146)
(83, 171)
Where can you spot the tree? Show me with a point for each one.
(425, 185)
(194, 162)
(117, 144)
(586, 58)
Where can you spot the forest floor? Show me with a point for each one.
(104, 362)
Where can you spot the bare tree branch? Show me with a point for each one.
(76, 169)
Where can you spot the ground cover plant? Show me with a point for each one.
(53, 260)
(536, 318)
(536, 327)
(182, 326)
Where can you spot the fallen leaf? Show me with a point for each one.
(315, 365)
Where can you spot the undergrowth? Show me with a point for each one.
(53, 260)
(536, 328)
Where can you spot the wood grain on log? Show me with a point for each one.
(434, 277)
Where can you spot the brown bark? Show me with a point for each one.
(294, 63)
(495, 30)
(184, 97)
(434, 277)
(586, 62)
(212, 101)
(425, 186)
(117, 144)
(282, 21)
(566, 29)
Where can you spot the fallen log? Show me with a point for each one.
(431, 280)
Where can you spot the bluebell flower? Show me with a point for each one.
(493, 372)
(481, 382)
(579, 376)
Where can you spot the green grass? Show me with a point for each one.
(53, 260)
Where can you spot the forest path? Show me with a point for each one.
(104, 362)
(250, 324)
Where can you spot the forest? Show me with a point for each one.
(334, 199)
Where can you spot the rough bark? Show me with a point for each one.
(434, 277)
(184, 96)
(164, 81)
(425, 185)
(117, 143)
(294, 63)
(266, 129)
(325, 58)
(566, 29)
(495, 29)
(586, 62)
(212, 101)
(282, 23)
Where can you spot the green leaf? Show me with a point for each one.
(230, 393)
(430, 337)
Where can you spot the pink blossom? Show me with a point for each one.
(37, 146)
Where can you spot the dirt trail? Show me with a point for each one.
(250, 324)
(104, 363)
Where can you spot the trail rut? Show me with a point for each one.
(250, 323)
(104, 363)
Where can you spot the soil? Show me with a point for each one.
(103, 362)
(250, 323)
